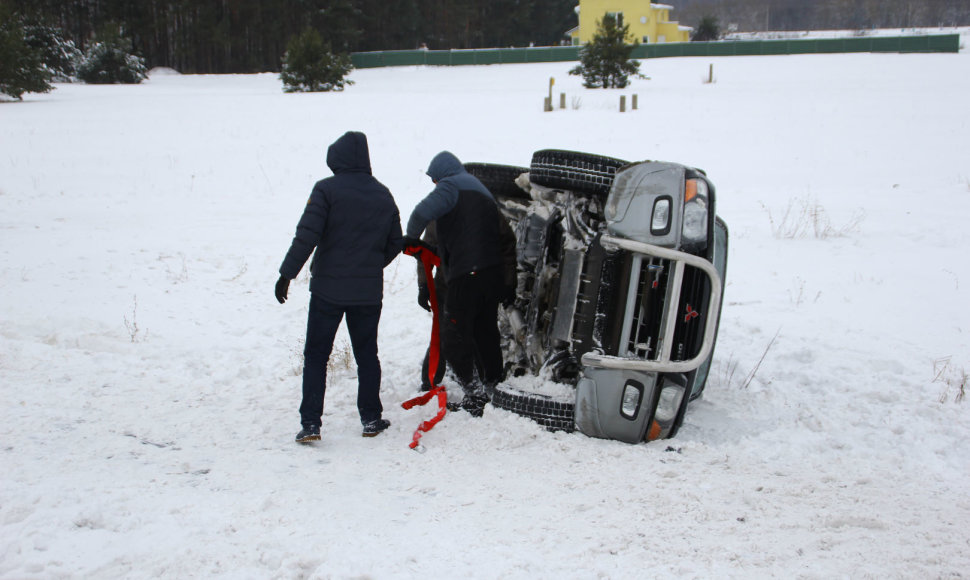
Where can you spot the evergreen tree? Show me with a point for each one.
(605, 62)
(109, 61)
(310, 65)
(22, 68)
(708, 29)
(59, 55)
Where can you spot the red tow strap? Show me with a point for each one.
(429, 259)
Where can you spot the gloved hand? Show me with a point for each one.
(414, 243)
(424, 297)
(282, 286)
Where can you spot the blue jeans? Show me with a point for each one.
(322, 324)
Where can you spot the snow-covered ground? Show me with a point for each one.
(150, 382)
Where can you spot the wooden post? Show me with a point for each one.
(562, 100)
(633, 107)
(710, 74)
(547, 104)
(622, 103)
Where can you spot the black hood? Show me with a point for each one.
(349, 154)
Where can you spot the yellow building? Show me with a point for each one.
(649, 22)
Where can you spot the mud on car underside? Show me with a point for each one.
(621, 275)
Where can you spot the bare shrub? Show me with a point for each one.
(754, 371)
(804, 218)
(180, 273)
(131, 323)
(797, 294)
(341, 358)
(727, 372)
(953, 379)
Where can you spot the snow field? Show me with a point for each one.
(150, 380)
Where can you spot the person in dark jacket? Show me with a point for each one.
(510, 283)
(467, 228)
(354, 225)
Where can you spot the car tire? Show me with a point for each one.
(552, 413)
(499, 179)
(579, 172)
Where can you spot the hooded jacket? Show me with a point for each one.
(354, 225)
(466, 216)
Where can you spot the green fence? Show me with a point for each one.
(933, 43)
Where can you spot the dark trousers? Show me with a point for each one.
(322, 324)
(471, 329)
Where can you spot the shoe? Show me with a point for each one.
(474, 405)
(308, 433)
(373, 428)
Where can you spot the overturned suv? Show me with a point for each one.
(621, 275)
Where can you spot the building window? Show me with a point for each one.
(644, 20)
(618, 16)
(646, 39)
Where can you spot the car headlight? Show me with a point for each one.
(695, 212)
(669, 403)
(663, 419)
(630, 404)
(660, 219)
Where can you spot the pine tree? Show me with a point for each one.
(22, 68)
(59, 55)
(605, 62)
(708, 29)
(310, 65)
(109, 61)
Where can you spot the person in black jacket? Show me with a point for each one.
(510, 283)
(467, 224)
(354, 225)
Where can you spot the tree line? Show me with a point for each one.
(760, 15)
(235, 36)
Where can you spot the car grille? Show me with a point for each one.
(646, 322)
(647, 311)
(691, 320)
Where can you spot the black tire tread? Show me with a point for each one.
(552, 414)
(573, 170)
(499, 179)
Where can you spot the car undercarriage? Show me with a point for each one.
(620, 282)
